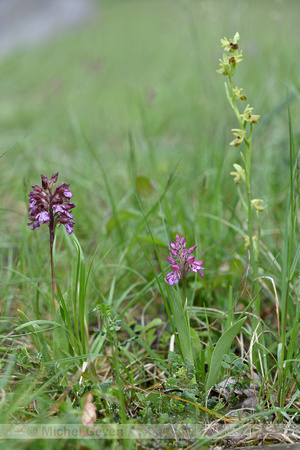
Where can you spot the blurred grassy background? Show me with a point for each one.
(140, 83)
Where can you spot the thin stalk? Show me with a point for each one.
(231, 99)
(53, 279)
(187, 319)
(248, 208)
(119, 380)
(184, 306)
(113, 339)
(184, 292)
(253, 252)
(247, 162)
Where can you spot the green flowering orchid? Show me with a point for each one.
(239, 137)
(247, 116)
(230, 62)
(238, 94)
(231, 44)
(256, 204)
(239, 175)
(243, 134)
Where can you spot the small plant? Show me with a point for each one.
(182, 263)
(234, 365)
(53, 208)
(25, 361)
(111, 324)
(176, 402)
(182, 375)
(110, 328)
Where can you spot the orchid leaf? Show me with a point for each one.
(221, 349)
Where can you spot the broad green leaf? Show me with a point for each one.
(182, 327)
(144, 186)
(154, 323)
(222, 348)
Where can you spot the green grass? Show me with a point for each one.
(136, 93)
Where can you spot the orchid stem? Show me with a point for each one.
(184, 292)
(53, 279)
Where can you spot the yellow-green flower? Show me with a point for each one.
(231, 44)
(238, 93)
(226, 44)
(239, 137)
(236, 59)
(247, 241)
(224, 63)
(256, 204)
(229, 63)
(239, 175)
(247, 116)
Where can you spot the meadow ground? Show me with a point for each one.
(133, 115)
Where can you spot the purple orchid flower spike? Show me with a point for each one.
(50, 207)
(181, 261)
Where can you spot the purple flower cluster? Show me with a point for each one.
(181, 261)
(51, 207)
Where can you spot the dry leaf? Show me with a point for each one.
(89, 411)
